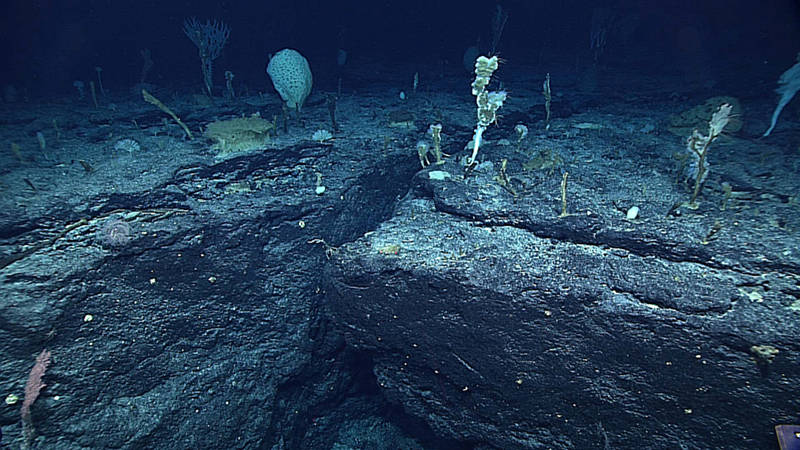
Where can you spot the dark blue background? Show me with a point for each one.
(48, 44)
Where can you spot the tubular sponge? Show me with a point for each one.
(788, 85)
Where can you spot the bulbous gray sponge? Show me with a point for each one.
(291, 77)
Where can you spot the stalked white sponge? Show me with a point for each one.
(291, 77)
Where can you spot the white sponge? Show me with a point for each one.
(291, 77)
(788, 85)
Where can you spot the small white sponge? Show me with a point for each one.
(291, 77)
